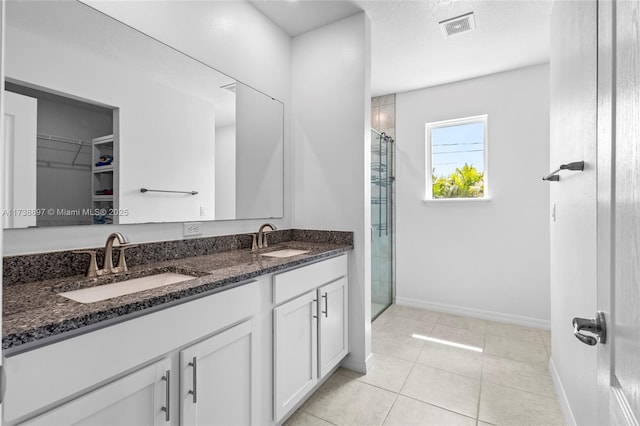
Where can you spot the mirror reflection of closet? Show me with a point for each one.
(76, 166)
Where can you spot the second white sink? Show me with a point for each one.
(122, 288)
(285, 253)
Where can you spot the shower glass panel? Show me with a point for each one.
(382, 150)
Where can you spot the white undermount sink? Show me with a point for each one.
(122, 288)
(285, 253)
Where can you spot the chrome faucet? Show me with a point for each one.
(262, 237)
(107, 265)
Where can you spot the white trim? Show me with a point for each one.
(475, 313)
(484, 118)
(441, 201)
(562, 395)
(361, 367)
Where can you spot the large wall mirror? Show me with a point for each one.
(96, 112)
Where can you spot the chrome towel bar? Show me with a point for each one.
(143, 190)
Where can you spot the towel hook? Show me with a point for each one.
(577, 166)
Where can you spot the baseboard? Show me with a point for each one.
(356, 365)
(475, 313)
(562, 396)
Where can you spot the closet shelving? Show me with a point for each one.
(103, 179)
(62, 152)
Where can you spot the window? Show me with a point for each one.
(456, 158)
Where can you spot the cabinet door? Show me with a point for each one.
(217, 378)
(140, 398)
(334, 323)
(295, 351)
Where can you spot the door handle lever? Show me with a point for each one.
(596, 326)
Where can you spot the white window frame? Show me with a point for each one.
(428, 160)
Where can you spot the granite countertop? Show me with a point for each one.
(34, 314)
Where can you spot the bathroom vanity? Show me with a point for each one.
(244, 341)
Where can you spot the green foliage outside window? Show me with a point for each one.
(465, 182)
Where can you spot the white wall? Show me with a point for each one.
(259, 155)
(249, 47)
(231, 36)
(225, 172)
(331, 137)
(72, 121)
(484, 259)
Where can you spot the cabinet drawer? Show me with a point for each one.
(288, 285)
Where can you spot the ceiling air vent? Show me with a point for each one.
(457, 25)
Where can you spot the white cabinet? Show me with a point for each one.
(139, 398)
(310, 330)
(216, 387)
(216, 352)
(333, 326)
(217, 329)
(217, 379)
(296, 351)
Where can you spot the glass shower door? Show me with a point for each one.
(381, 222)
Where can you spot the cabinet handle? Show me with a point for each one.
(315, 301)
(194, 392)
(326, 305)
(167, 407)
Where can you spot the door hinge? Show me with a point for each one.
(3, 383)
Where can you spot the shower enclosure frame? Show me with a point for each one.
(382, 205)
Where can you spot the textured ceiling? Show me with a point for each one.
(408, 48)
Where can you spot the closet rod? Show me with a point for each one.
(61, 139)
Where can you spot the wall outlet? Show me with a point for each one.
(191, 229)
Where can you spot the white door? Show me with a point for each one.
(140, 398)
(333, 341)
(573, 272)
(19, 164)
(217, 379)
(295, 351)
(619, 212)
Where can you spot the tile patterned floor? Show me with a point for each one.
(496, 375)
